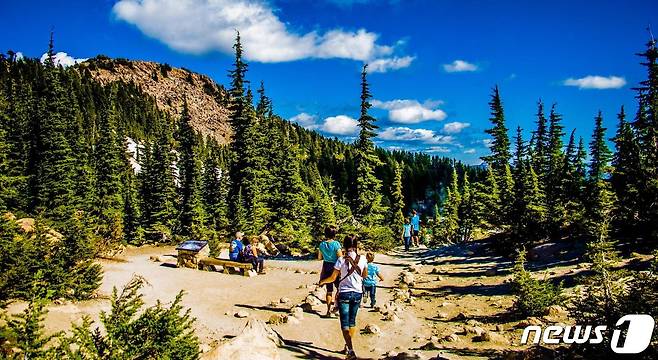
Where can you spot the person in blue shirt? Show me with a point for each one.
(370, 281)
(415, 222)
(407, 231)
(236, 248)
(329, 251)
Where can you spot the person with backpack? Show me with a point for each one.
(350, 268)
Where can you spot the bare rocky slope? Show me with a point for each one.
(170, 86)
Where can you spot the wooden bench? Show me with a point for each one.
(225, 264)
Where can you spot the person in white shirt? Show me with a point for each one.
(350, 269)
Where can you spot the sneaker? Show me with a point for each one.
(350, 355)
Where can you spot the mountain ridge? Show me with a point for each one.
(170, 87)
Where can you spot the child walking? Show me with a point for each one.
(370, 282)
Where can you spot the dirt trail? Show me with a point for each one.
(454, 287)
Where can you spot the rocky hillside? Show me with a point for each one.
(169, 86)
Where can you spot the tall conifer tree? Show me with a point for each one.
(369, 209)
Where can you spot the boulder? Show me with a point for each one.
(257, 341)
(319, 293)
(312, 300)
(278, 319)
(297, 313)
(407, 278)
(416, 268)
(284, 300)
(442, 315)
(475, 330)
(529, 321)
(492, 337)
(450, 338)
(154, 258)
(391, 317)
(556, 311)
(371, 329)
(241, 314)
(431, 346)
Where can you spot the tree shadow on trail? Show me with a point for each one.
(264, 308)
(306, 350)
(476, 289)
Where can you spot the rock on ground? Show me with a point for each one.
(371, 329)
(241, 314)
(257, 341)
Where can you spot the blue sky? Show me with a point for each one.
(434, 62)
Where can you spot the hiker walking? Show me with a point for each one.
(329, 251)
(415, 223)
(406, 233)
(350, 269)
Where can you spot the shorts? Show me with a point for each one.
(416, 232)
(327, 270)
(348, 305)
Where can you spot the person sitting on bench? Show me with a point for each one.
(236, 248)
(250, 254)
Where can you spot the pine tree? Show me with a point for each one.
(397, 198)
(600, 196)
(500, 146)
(555, 202)
(528, 211)
(157, 190)
(646, 130)
(215, 191)
(192, 214)
(573, 184)
(321, 200)
(626, 176)
(109, 163)
(466, 212)
(540, 143)
(447, 229)
(54, 180)
(368, 207)
(487, 197)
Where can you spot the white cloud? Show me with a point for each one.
(425, 136)
(437, 149)
(596, 82)
(305, 120)
(200, 26)
(455, 127)
(411, 111)
(469, 151)
(487, 142)
(394, 63)
(459, 66)
(62, 58)
(340, 125)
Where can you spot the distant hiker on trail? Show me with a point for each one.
(329, 251)
(407, 231)
(370, 282)
(350, 269)
(236, 248)
(415, 222)
(251, 255)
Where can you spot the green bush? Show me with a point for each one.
(62, 262)
(129, 332)
(533, 297)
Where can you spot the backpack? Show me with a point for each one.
(355, 266)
